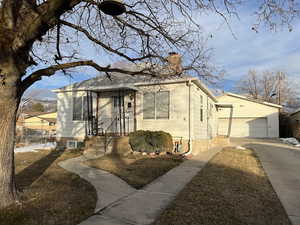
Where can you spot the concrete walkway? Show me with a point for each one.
(120, 204)
(281, 162)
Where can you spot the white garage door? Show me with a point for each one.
(244, 127)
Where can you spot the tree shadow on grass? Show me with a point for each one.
(232, 188)
(30, 174)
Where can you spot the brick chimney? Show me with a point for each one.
(174, 60)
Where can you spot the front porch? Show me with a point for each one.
(111, 111)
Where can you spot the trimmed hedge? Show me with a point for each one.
(151, 141)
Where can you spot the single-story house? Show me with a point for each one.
(42, 121)
(182, 106)
(246, 117)
(295, 116)
(295, 123)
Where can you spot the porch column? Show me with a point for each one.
(134, 111)
(230, 122)
(123, 109)
(120, 112)
(97, 114)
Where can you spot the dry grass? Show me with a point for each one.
(232, 189)
(136, 170)
(50, 195)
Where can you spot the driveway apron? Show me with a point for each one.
(281, 163)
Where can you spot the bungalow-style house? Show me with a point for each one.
(182, 106)
(41, 121)
(295, 123)
(246, 117)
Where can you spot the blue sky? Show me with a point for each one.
(265, 50)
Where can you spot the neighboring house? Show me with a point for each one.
(295, 123)
(41, 121)
(246, 117)
(295, 116)
(182, 106)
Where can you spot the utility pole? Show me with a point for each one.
(279, 87)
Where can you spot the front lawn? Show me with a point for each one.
(232, 189)
(136, 170)
(49, 194)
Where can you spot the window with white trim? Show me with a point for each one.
(156, 105)
(80, 108)
(201, 108)
(210, 112)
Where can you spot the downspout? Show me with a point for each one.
(207, 119)
(190, 145)
(230, 122)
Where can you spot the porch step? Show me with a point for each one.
(108, 144)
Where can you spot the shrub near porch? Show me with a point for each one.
(151, 141)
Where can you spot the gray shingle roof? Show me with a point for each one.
(117, 79)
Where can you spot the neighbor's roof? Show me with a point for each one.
(125, 81)
(251, 99)
(50, 120)
(293, 113)
(30, 114)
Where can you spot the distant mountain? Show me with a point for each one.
(40, 94)
(37, 95)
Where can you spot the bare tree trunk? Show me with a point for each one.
(9, 101)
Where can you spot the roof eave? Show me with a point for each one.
(205, 89)
(245, 98)
(104, 88)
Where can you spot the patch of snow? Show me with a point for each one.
(240, 148)
(35, 147)
(292, 141)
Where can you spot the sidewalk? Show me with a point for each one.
(120, 204)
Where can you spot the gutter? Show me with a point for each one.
(190, 145)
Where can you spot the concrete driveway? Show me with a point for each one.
(281, 162)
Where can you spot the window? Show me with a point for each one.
(149, 106)
(80, 111)
(162, 105)
(156, 105)
(201, 108)
(210, 109)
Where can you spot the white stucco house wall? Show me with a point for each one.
(246, 117)
(181, 106)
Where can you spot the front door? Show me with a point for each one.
(116, 113)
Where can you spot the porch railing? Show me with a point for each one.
(113, 128)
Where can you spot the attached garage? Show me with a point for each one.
(244, 127)
(240, 116)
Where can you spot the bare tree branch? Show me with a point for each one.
(49, 71)
(106, 47)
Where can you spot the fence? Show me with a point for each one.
(37, 135)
